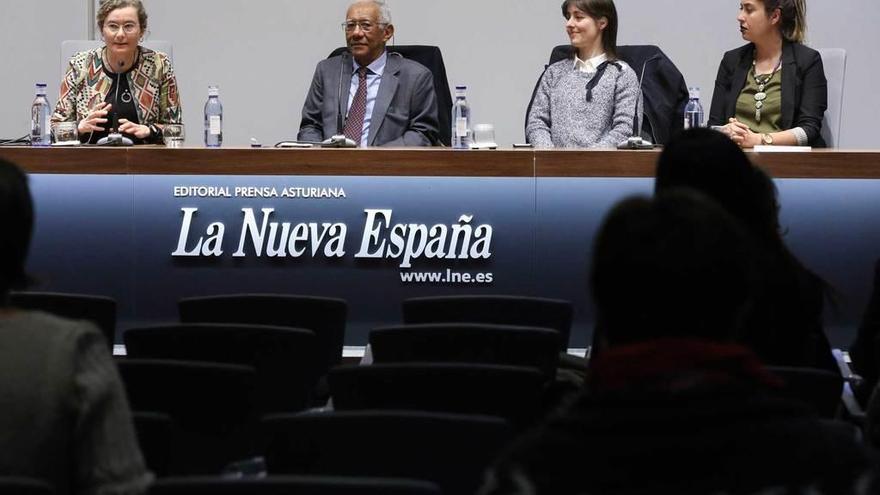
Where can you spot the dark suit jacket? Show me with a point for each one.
(405, 112)
(804, 88)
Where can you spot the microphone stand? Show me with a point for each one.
(339, 140)
(636, 141)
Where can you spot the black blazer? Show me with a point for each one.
(804, 88)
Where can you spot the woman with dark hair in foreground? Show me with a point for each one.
(64, 417)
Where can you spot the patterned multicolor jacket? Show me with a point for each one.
(152, 84)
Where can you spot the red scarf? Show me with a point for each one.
(673, 364)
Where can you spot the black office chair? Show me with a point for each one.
(323, 315)
(289, 485)
(210, 405)
(284, 358)
(664, 89)
(468, 343)
(99, 310)
(819, 389)
(498, 310)
(432, 58)
(19, 485)
(447, 449)
(511, 392)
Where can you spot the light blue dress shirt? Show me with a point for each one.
(374, 78)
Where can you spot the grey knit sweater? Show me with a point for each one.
(64, 417)
(561, 116)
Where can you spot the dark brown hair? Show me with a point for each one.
(16, 223)
(598, 9)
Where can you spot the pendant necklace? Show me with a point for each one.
(762, 82)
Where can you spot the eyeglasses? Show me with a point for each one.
(128, 28)
(366, 26)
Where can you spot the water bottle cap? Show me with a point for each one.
(41, 88)
(213, 90)
(694, 92)
(460, 86)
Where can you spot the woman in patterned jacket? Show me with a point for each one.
(121, 86)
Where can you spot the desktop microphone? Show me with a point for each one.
(636, 141)
(115, 138)
(339, 140)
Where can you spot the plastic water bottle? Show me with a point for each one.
(461, 120)
(41, 112)
(693, 112)
(213, 118)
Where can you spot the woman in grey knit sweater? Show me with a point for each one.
(590, 101)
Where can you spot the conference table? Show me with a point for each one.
(149, 225)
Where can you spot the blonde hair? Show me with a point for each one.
(108, 6)
(793, 14)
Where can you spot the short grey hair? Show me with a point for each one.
(384, 11)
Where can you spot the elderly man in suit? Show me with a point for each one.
(373, 97)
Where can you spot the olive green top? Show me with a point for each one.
(771, 112)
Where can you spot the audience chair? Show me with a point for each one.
(511, 392)
(289, 485)
(99, 310)
(819, 389)
(664, 89)
(447, 449)
(284, 358)
(432, 58)
(15, 485)
(210, 405)
(498, 310)
(834, 62)
(468, 343)
(154, 433)
(324, 316)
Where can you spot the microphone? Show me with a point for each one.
(636, 142)
(338, 140)
(115, 138)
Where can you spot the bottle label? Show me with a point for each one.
(461, 129)
(214, 126)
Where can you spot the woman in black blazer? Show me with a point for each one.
(773, 90)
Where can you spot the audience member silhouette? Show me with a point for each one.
(784, 326)
(63, 413)
(865, 351)
(673, 405)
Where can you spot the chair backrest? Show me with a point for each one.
(498, 310)
(99, 310)
(432, 58)
(510, 392)
(834, 60)
(209, 403)
(287, 485)
(819, 389)
(284, 358)
(16, 485)
(664, 90)
(448, 449)
(468, 343)
(154, 433)
(322, 315)
(70, 47)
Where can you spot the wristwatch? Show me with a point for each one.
(766, 139)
